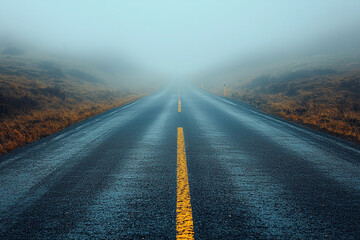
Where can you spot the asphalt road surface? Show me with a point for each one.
(182, 163)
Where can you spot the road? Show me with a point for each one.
(182, 163)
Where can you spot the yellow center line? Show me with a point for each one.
(184, 220)
(179, 105)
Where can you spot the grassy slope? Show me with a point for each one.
(330, 103)
(39, 98)
(324, 95)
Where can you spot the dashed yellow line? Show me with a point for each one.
(184, 219)
(179, 105)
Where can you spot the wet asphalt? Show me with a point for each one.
(251, 175)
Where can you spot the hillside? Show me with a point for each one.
(326, 102)
(39, 97)
(324, 95)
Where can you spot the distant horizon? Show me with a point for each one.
(182, 38)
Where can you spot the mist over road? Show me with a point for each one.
(125, 174)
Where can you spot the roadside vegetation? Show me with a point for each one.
(320, 99)
(324, 96)
(39, 98)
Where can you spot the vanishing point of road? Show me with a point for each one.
(182, 163)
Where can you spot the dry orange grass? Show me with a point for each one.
(32, 108)
(329, 103)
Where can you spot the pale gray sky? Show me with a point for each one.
(176, 37)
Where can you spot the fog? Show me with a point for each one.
(180, 38)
